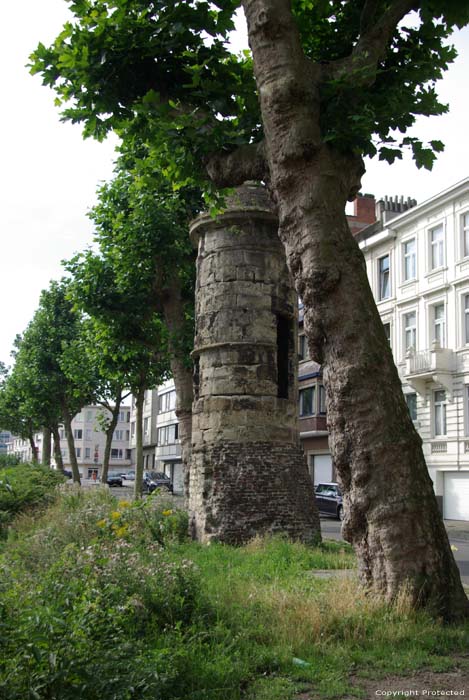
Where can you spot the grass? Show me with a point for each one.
(101, 599)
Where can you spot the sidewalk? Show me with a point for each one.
(457, 529)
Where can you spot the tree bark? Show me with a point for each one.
(174, 313)
(34, 448)
(109, 436)
(139, 442)
(392, 518)
(46, 446)
(57, 451)
(71, 447)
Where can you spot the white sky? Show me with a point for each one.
(49, 175)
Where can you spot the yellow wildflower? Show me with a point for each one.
(116, 514)
(121, 531)
(102, 523)
(167, 512)
(124, 504)
(454, 549)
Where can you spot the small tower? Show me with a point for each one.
(248, 473)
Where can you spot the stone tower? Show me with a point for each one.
(248, 474)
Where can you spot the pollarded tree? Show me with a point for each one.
(336, 80)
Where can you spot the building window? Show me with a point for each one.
(322, 400)
(146, 423)
(121, 416)
(410, 260)
(437, 247)
(128, 453)
(117, 453)
(387, 331)
(411, 401)
(127, 435)
(465, 234)
(78, 452)
(167, 402)
(303, 349)
(438, 313)
(410, 331)
(307, 397)
(89, 415)
(87, 434)
(439, 413)
(118, 434)
(383, 275)
(168, 434)
(132, 430)
(78, 434)
(87, 452)
(466, 318)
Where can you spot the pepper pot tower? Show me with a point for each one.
(248, 474)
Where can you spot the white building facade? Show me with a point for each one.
(418, 267)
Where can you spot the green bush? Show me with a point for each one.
(8, 460)
(24, 486)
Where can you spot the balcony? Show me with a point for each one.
(436, 364)
(168, 452)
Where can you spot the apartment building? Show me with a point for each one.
(418, 266)
(150, 410)
(90, 441)
(161, 446)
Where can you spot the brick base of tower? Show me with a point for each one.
(239, 491)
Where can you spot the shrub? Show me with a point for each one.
(24, 486)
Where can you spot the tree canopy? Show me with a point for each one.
(165, 69)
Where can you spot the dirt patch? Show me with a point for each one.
(422, 684)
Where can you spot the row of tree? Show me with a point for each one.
(119, 323)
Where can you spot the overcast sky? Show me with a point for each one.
(49, 174)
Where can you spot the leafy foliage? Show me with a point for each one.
(163, 71)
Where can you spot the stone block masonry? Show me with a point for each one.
(248, 474)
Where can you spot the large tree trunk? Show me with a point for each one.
(109, 436)
(57, 451)
(71, 447)
(392, 517)
(139, 443)
(174, 313)
(46, 446)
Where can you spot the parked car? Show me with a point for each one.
(114, 480)
(329, 500)
(130, 475)
(156, 480)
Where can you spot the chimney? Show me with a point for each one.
(364, 208)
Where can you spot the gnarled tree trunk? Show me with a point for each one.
(174, 313)
(392, 515)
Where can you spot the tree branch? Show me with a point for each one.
(232, 169)
(360, 67)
